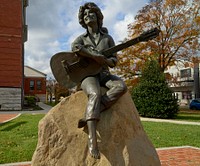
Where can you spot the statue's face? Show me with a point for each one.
(90, 17)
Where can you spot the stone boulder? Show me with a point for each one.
(122, 140)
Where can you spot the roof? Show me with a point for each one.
(31, 72)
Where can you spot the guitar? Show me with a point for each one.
(77, 67)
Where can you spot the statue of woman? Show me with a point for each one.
(90, 45)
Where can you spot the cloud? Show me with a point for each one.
(53, 25)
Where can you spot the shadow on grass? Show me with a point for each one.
(188, 117)
(12, 126)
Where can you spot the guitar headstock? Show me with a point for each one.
(150, 34)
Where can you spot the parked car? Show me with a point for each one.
(195, 104)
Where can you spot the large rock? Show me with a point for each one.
(121, 137)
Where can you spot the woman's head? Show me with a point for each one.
(94, 8)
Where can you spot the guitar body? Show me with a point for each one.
(69, 68)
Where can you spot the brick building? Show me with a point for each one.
(13, 34)
(34, 83)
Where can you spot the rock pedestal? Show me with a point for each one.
(121, 137)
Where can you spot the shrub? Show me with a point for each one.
(152, 96)
(30, 101)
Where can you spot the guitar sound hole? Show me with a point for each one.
(83, 62)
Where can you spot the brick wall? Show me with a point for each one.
(41, 93)
(11, 54)
(11, 44)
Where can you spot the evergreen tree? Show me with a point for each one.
(152, 96)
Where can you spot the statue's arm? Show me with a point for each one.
(87, 51)
(112, 60)
(79, 48)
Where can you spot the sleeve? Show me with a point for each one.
(77, 45)
(113, 57)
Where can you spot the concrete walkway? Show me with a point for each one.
(45, 109)
(6, 116)
(169, 121)
(28, 163)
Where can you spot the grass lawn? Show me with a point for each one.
(185, 116)
(188, 115)
(168, 134)
(18, 138)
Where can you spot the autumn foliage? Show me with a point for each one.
(179, 22)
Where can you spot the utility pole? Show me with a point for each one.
(196, 80)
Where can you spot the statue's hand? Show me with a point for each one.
(99, 58)
(110, 62)
(95, 54)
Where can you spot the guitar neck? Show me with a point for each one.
(121, 46)
(148, 35)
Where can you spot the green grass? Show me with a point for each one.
(168, 134)
(18, 138)
(193, 117)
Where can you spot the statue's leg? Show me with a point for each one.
(82, 122)
(92, 139)
(91, 87)
(116, 88)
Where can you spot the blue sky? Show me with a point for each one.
(53, 25)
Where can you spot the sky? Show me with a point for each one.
(53, 25)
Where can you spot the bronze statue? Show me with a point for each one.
(88, 64)
(90, 45)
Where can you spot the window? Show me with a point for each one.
(32, 85)
(185, 73)
(39, 85)
(187, 95)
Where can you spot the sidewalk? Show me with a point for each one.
(169, 121)
(28, 163)
(6, 116)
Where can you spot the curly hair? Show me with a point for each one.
(92, 6)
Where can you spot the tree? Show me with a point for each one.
(55, 90)
(50, 87)
(179, 22)
(152, 96)
(60, 92)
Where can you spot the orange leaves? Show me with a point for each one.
(175, 3)
(197, 20)
(179, 21)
